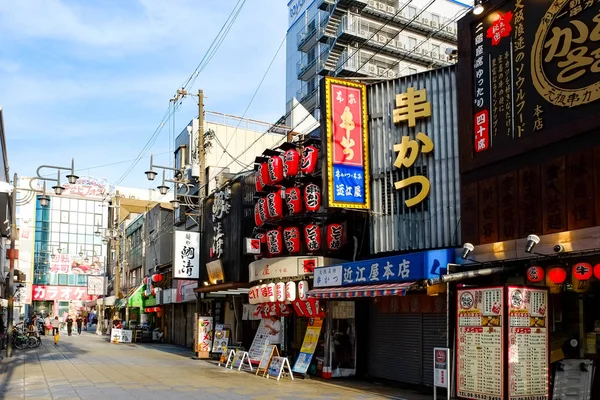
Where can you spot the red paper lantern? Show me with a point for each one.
(145, 280)
(264, 174)
(274, 242)
(335, 236)
(582, 271)
(275, 205)
(291, 163)
(157, 278)
(275, 169)
(258, 181)
(597, 271)
(291, 237)
(293, 200)
(535, 274)
(312, 197)
(557, 275)
(312, 237)
(310, 157)
(259, 213)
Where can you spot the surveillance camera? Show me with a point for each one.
(559, 248)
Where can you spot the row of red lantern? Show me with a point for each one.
(291, 237)
(288, 165)
(557, 275)
(279, 292)
(271, 207)
(151, 309)
(154, 278)
(309, 308)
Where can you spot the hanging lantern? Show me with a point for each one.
(312, 237)
(157, 278)
(335, 236)
(291, 237)
(290, 291)
(302, 290)
(145, 280)
(258, 181)
(264, 174)
(293, 200)
(274, 242)
(291, 163)
(312, 197)
(275, 205)
(535, 274)
(579, 285)
(153, 291)
(271, 292)
(251, 295)
(264, 293)
(597, 271)
(557, 275)
(280, 292)
(275, 164)
(259, 212)
(582, 271)
(310, 157)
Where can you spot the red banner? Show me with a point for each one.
(43, 292)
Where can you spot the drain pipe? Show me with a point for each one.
(467, 274)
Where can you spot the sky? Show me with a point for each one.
(91, 80)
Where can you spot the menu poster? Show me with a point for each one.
(480, 339)
(260, 341)
(528, 367)
(311, 340)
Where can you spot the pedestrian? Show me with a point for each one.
(274, 328)
(79, 322)
(55, 329)
(47, 325)
(69, 322)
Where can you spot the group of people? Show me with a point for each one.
(52, 325)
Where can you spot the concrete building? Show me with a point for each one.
(364, 38)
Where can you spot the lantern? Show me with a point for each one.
(251, 295)
(264, 293)
(554, 279)
(582, 271)
(153, 291)
(335, 236)
(157, 278)
(312, 237)
(293, 200)
(275, 164)
(597, 271)
(258, 181)
(264, 174)
(310, 156)
(290, 291)
(280, 292)
(291, 163)
(535, 274)
(145, 280)
(291, 237)
(271, 292)
(275, 205)
(259, 212)
(580, 285)
(312, 197)
(302, 290)
(274, 242)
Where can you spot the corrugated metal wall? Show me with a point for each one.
(434, 223)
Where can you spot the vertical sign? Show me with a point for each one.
(311, 340)
(528, 367)
(441, 370)
(347, 142)
(205, 328)
(186, 261)
(479, 344)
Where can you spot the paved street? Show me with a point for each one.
(88, 367)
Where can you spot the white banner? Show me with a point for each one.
(95, 285)
(186, 261)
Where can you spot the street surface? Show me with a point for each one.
(89, 367)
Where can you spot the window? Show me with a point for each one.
(64, 217)
(435, 48)
(81, 280)
(412, 11)
(412, 71)
(62, 279)
(435, 18)
(412, 42)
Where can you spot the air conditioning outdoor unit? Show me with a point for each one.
(391, 9)
(451, 29)
(417, 50)
(434, 24)
(372, 3)
(425, 21)
(400, 45)
(391, 74)
(363, 33)
(381, 71)
(382, 6)
(382, 39)
(426, 52)
(435, 55)
(392, 43)
(373, 68)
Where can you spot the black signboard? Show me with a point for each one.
(533, 71)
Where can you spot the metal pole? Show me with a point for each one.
(201, 191)
(11, 271)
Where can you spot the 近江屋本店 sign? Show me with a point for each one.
(403, 268)
(533, 71)
(347, 141)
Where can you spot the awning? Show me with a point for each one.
(230, 288)
(135, 297)
(387, 289)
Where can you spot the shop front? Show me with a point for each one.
(60, 300)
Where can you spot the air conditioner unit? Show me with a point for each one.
(372, 3)
(363, 33)
(373, 68)
(382, 39)
(381, 71)
(382, 6)
(435, 55)
(417, 50)
(451, 29)
(425, 52)
(426, 21)
(392, 43)
(391, 74)
(400, 45)
(391, 9)
(434, 24)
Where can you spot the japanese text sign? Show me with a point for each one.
(403, 268)
(186, 261)
(49, 293)
(347, 144)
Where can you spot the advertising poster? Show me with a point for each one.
(260, 341)
(480, 339)
(309, 345)
(528, 367)
(221, 340)
(205, 327)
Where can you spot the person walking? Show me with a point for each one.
(79, 322)
(69, 322)
(55, 329)
(47, 325)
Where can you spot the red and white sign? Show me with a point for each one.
(48, 293)
(482, 131)
(252, 246)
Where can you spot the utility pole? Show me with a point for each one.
(201, 147)
(11, 271)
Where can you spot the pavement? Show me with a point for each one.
(89, 367)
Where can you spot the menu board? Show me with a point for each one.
(480, 339)
(260, 341)
(528, 344)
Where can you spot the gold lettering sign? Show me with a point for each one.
(567, 48)
(412, 105)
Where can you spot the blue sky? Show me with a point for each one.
(92, 79)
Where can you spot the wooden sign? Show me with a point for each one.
(270, 352)
(279, 366)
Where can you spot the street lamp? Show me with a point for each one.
(58, 188)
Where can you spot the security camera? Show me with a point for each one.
(559, 248)
(467, 249)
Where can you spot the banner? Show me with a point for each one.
(95, 285)
(309, 345)
(186, 261)
(72, 264)
(43, 292)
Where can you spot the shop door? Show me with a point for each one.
(434, 335)
(396, 346)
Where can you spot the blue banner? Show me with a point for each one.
(348, 184)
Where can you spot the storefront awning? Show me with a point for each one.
(388, 289)
(225, 288)
(135, 298)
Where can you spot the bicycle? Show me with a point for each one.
(34, 339)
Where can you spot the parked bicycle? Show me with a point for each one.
(20, 340)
